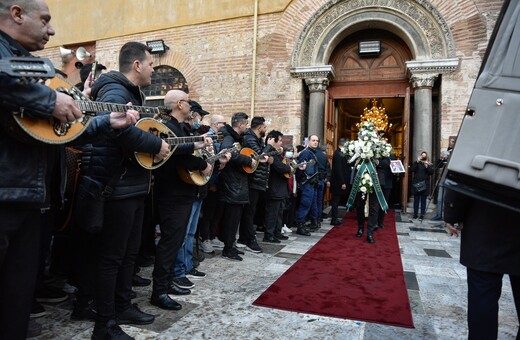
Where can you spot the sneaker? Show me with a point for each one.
(134, 316)
(110, 330)
(281, 237)
(51, 294)
(239, 252)
(436, 219)
(253, 246)
(194, 274)
(231, 255)
(207, 247)
(183, 282)
(240, 244)
(37, 310)
(421, 218)
(34, 329)
(216, 243)
(84, 312)
(286, 229)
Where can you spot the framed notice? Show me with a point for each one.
(396, 167)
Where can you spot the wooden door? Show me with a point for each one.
(329, 133)
(406, 150)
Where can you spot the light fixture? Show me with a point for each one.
(369, 48)
(375, 115)
(157, 46)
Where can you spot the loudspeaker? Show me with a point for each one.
(82, 53)
(65, 52)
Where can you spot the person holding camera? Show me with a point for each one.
(422, 169)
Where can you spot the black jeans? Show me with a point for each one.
(20, 232)
(273, 217)
(230, 221)
(211, 214)
(484, 291)
(247, 229)
(119, 244)
(174, 215)
(373, 211)
(84, 264)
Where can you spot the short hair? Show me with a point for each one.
(27, 5)
(274, 134)
(257, 121)
(130, 52)
(238, 117)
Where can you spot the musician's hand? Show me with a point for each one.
(120, 120)
(207, 141)
(343, 186)
(452, 230)
(208, 170)
(253, 162)
(263, 159)
(270, 160)
(66, 109)
(165, 150)
(224, 158)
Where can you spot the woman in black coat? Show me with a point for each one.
(422, 170)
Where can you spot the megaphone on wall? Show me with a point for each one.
(65, 52)
(82, 53)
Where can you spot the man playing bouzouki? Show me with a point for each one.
(32, 172)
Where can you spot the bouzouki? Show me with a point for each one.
(295, 166)
(251, 153)
(196, 177)
(150, 161)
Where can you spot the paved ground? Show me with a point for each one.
(220, 306)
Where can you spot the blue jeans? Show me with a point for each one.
(416, 199)
(184, 262)
(319, 197)
(308, 203)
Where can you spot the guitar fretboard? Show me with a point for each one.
(218, 155)
(185, 140)
(88, 106)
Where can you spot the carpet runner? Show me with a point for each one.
(346, 277)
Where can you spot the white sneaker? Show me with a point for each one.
(207, 247)
(216, 243)
(286, 229)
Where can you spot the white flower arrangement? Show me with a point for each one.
(368, 147)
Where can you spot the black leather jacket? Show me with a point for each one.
(258, 179)
(112, 161)
(277, 188)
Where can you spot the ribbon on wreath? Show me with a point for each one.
(367, 165)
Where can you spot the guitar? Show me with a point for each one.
(27, 68)
(150, 161)
(295, 166)
(251, 153)
(196, 177)
(52, 131)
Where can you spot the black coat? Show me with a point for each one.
(421, 173)
(277, 188)
(233, 184)
(341, 171)
(258, 179)
(490, 238)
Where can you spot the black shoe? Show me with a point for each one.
(335, 221)
(281, 237)
(84, 312)
(253, 246)
(381, 225)
(138, 281)
(303, 231)
(359, 232)
(134, 316)
(51, 295)
(37, 310)
(183, 282)
(270, 239)
(165, 302)
(110, 330)
(174, 290)
(133, 295)
(239, 252)
(194, 274)
(370, 238)
(34, 329)
(231, 254)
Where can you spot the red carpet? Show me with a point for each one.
(346, 277)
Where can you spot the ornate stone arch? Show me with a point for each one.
(417, 22)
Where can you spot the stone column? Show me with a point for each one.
(317, 87)
(422, 114)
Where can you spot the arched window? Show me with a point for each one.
(164, 79)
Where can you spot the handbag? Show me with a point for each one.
(420, 186)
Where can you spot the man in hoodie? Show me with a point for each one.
(125, 185)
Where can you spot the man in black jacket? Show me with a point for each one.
(175, 200)
(277, 191)
(233, 185)
(339, 181)
(112, 166)
(33, 173)
(253, 139)
(489, 248)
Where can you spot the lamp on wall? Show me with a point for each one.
(157, 46)
(369, 48)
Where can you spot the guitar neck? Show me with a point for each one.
(89, 106)
(172, 141)
(218, 155)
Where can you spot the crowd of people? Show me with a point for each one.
(119, 206)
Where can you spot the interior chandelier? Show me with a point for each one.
(375, 115)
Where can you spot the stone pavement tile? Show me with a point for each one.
(423, 330)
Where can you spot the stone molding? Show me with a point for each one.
(419, 13)
(317, 78)
(423, 79)
(423, 73)
(317, 84)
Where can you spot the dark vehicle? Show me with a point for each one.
(485, 162)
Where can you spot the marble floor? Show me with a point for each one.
(220, 305)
